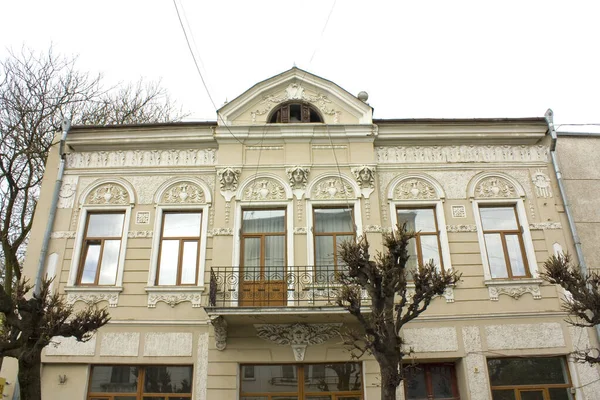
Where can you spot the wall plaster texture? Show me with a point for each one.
(431, 339)
(69, 346)
(124, 344)
(475, 364)
(176, 344)
(202, 367)
(524, 336)
(588, 376)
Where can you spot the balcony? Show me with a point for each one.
(284, 292)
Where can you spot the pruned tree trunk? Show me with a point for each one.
(30, 365)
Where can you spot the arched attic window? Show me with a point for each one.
(294, 113)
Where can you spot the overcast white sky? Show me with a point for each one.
(446, 59)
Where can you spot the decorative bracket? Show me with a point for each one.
(297, 335)
(220, 326)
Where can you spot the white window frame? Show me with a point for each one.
(519, 205)
(441, 223)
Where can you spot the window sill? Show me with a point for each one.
(173, 295)
(94, 294)
(514, 288)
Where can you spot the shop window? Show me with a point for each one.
(342, 381)
(126, 382)
(101, 248)
(179, 252)
(540, 378)
(294, 113)
(430, 382)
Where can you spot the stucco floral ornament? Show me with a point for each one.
(228, 181)
(542, 184)
(297, 335)
(298, 178)
(365, 177)
(494, 187)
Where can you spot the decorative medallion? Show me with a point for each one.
(541, 182)
(333, 188)
(264, 190)
(495, 187)
(414, 189)
(142, 217)
(63, 235)
(184, 193)
(459, 212)
(109, 193)
(297, 335)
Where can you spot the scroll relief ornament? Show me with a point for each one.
(228, 181)
(495, 188)
(91, 298)
(108, 194)
(414, 189)
(295, 91)
(333, 188)
(365, 177)
(184, 193)
(174, 298)
(541, 182)
(297, 335)
(264, 189)
(515, 291)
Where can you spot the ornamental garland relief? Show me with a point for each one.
(264, 189)
(109, 193)
(332, 188)
(414, 189)
(141, 158)
(457, 154)
(184, 193)
(495, 187)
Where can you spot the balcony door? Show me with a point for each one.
(263, 258)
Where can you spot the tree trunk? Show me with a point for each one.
(388, 382)
(30, 375)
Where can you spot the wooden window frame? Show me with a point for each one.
(300, 392)
(85, 247)
(139, 394)
(262, 237)
(333, 234)
(503, 233)
(182, 241)
(420, 261)
(281, 114)
(427, 367)
(517, 389)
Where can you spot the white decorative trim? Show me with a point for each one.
(63, 234)
(141, 158)
(494, 185)
(139, 234)
(220, 232)
(202, 366)
(329, 147)
(108, 194)
(514, 288)
(183, 190)
(260, 148)
(264, 187)
(374, 229)
(94, 295)
(142, 217)
(550, 225)
(414, 187)
(461, 228)
(448, 294)
(300, 230)
(541, 181)
(298, 335)
(464, 153)
(174, 295)
(459, 212)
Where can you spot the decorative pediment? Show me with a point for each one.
(332, 189)
(295, 85)
(414, 189)
(108, 193)
(184, 193)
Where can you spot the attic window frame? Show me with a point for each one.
(287, 106)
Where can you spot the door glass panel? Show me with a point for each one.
(189, 262)
(498, 218)
(430, 249)
(515, 254)
(169, 257)
(182, 225)
(532, 395)
(105, 225)
(274, 257)
(90, 264)
(503, 395)
(495, 252)
(251, 259)
(110, 260)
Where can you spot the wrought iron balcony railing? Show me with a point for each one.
(274, 286)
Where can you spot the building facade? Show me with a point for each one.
(214, 247)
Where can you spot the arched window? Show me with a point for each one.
(294, 113)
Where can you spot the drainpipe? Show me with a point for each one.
(66, 125)
(561, 188)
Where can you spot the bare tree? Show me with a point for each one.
(582, 301)
(392, 302)
(37, 91)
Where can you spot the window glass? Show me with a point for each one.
(116, 379)
(169, 258)
(105, 225)
(263, 221)
(515, 254)
(333, 377)
(329, 220)
(495, 253)
(189, 262)
(269, 379)
(498, 218)
(168, 379)
(430, 249)
(90, 265)
(418, 219)
(110, 260)
(182, 224)
(527, 371)
(430, 382)
(179, 248)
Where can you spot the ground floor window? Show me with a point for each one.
(540, 378)
(134, 382)
(430, 382)
(339, 381)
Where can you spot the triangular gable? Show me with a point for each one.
(335, 104)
